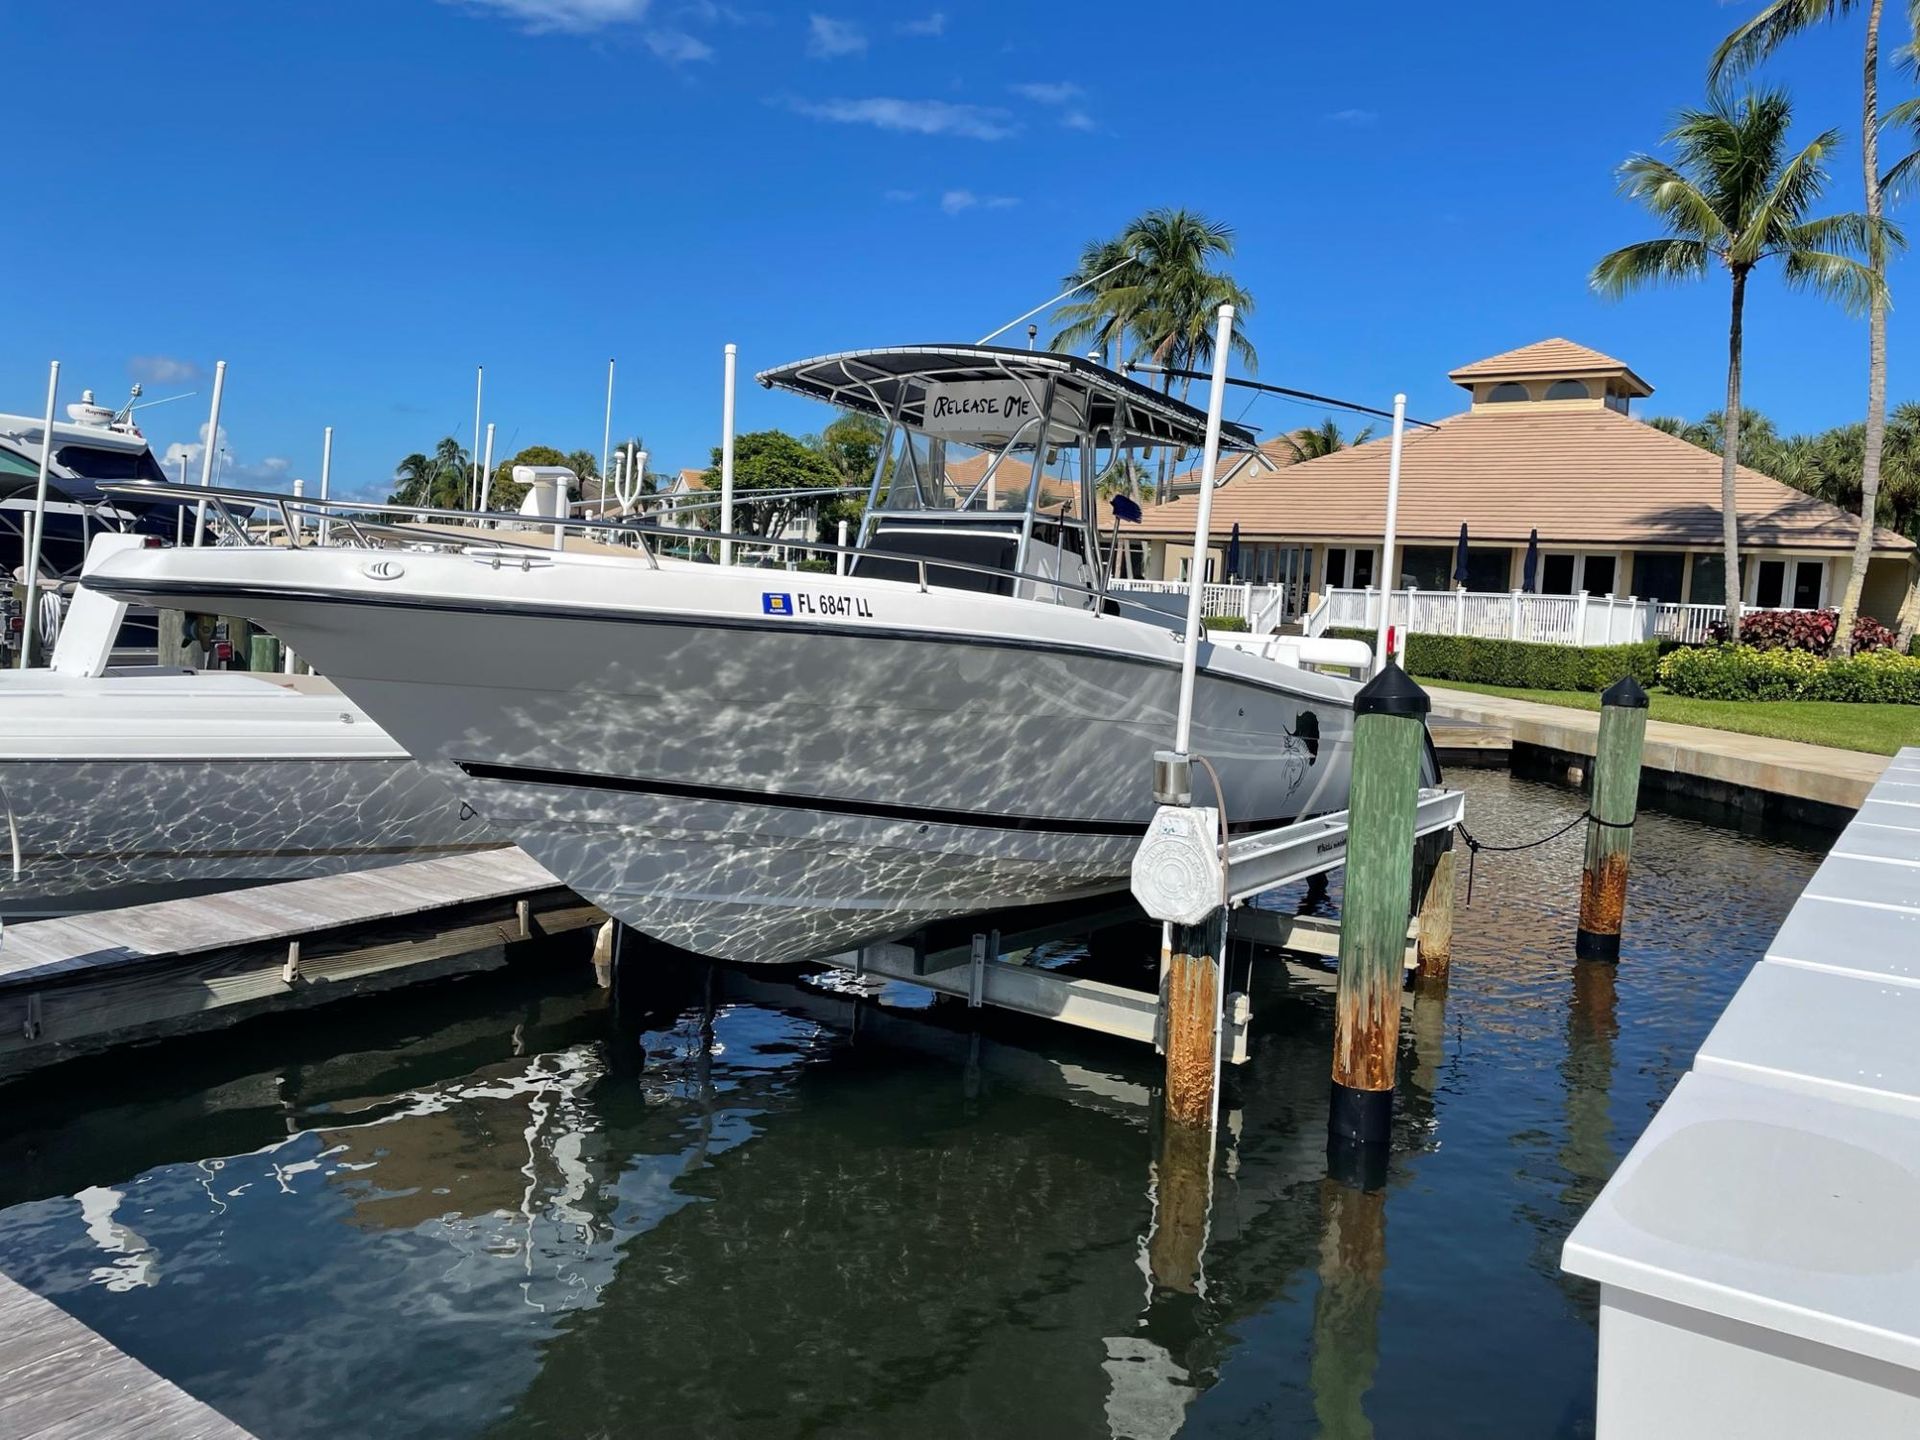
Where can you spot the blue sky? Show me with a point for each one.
(353, 203)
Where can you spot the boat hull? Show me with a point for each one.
(770, 775)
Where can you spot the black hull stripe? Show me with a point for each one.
(823, 804)
(158, 591)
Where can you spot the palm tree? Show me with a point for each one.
(1778, 22)
(433, 482)
(1159, 305)
(1312, 442)
(1735, 197)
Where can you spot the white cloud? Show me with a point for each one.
(1352, 117)
(274, 472)
(677, 47)
(1078, 120)
(573, 17)
(829, 39)
(163, 370)
(915, 117)
(1047, 92)
(902, 197)
(931, 28)
(954, 202)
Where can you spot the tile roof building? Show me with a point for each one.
(1548, 444)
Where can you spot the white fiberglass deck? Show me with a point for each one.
(1756, 1251)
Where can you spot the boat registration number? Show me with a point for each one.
(825, 603)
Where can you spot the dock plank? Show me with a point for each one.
(60, 1381)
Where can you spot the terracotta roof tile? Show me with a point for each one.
(1581, 476)
(1547, 357)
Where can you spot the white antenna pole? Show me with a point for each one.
(28, 627)
(486, 472)
(326, 483)
(473, 490)
(1049, 304)
(1393, 516)
(726, 460)
(606, 430)
(206, 451)
(180, 512)
(1202, 520)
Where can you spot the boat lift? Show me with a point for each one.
(1255, 865)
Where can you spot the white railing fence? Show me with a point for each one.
(1261, 606)
(1692, 624)
(1581, 619)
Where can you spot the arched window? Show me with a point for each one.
(1569, 390)
(1508, 391)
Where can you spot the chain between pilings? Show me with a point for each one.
(1389, 734)
(1611, 814)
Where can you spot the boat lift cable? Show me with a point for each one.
(1265, 389)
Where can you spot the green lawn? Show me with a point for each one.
(1878, 729)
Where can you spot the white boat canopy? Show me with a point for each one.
(983, 394)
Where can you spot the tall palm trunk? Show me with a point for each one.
(1730, 460)
(1876, 345)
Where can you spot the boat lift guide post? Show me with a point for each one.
(206, 451)
(726, 457)
(28, 626)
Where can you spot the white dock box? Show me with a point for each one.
(1758, 1255)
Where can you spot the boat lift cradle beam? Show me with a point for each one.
(1258, 863)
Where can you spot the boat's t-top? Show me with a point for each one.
(992, 458)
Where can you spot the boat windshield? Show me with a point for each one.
(926, 473)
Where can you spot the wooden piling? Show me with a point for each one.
(1192, 1008)
(1389, 732)
(1615, 802)
(1436, 909)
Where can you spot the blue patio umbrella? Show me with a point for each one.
(1530, 568)
(1460, 572)
(1233, 551)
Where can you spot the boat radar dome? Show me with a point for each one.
(86, 412)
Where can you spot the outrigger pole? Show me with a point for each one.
(1265, 389)
(1049, 304)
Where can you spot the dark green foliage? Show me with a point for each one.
(1226, 622)
(1740, 672)
(1524, 664)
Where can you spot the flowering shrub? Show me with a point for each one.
(1808, 630)
(1744, 672)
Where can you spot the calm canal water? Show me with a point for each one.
(508, 1207)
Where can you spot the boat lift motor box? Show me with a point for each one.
(1177, 871)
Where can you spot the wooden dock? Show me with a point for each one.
(61, 1381)
(88, 982)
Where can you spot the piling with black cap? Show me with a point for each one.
(1615, 802)
(1389, 738)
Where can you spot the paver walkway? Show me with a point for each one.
(1778, 767)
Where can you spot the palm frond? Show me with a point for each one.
(1649, 262)
(1776, 24)
(1848, 282)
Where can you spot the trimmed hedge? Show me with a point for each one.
(1740, 672)
(1224, 622)
(1524, 664)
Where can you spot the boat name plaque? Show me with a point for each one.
(991, 412)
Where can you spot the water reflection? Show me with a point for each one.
(716, 1204)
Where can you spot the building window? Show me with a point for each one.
(1563, 574)
(1569, 390)
(1659, 575)
(1709, 583)
(1349, 567)
(1809, 583)
(1506, 393)
(1770, 584)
